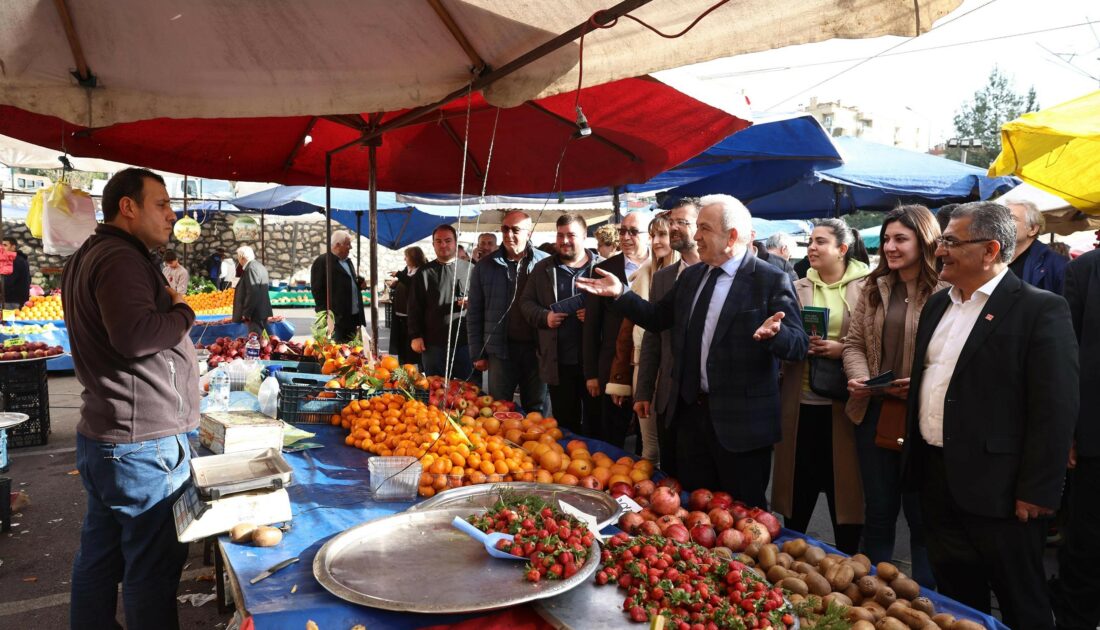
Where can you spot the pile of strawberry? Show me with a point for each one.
(693, 588)
(556, 543)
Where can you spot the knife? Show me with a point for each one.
(269, 572)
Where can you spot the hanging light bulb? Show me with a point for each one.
(307, 140)
(583, 130)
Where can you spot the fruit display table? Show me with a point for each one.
(206, 333)
(300, 298)
(330, 493)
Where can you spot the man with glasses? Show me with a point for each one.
(346, 300)
(601, 327)
(995, 377)
(500, 340)
(551, 303)
(655, 365)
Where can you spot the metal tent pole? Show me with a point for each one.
(328, 239)
(373, 227)
(263, 246)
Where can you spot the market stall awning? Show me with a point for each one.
(1060, 217)
(872, 177)
(1057, 150)
(211, 59)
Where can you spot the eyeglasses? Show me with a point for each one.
(682, 222)
(951, 243)
(629, 231)
(505, 229)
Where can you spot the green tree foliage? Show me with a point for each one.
(981, 117)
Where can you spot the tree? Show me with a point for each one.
(981, 117)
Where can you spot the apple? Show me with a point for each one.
(620, 488)
(485, 401)
(486, 412)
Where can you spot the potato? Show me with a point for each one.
(869, 585)
(777, 574)
(887, 571)
(852, 591)
(803, 567)
(905, 588)
(785, 560)
(840, 576)
(858, 613)
(966, 624)
(267, 536)
(860, 569)
(886, 596)
(795, 547)
(863, 624)
(889, 623)
(826, 563)
(924, 605)
(813, 555)
(767, 557)
(944, 620)
(839, 598)
(794, 585)
(817, 584)
(859, 558)
(242, 532)
(912, 617)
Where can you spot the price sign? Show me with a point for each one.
(630, 504)
(14, 341)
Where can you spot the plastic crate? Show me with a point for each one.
(387, 314)
(22, 376)
(300, 401)
(36, 404)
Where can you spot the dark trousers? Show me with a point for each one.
(1076, 593)
(399, 341)
(614, 421)
(520, 369)
(666, 443)
(813, 474)
(703, 463)
(883, 499)
(344, 328)
(970, 553)
(573, 408)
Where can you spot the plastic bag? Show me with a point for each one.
(34, 215)
(68, 219)
(269, 396)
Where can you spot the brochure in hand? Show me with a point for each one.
(815, 321)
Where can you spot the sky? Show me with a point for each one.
(930, 75)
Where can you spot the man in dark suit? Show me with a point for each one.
(251, 303)
(733, 319)
(1076, 594)
(655, 363)
(601, 327)
(995, 399)
(345, 300)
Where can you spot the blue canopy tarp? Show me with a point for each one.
(399, 223)
(770, 155)
(872, 177)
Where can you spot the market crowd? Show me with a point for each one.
(951, 381)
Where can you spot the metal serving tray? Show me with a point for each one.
(391, 563)
(481, 497)
(216, 476)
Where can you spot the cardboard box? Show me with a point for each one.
(236, 431)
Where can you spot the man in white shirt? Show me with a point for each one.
(175, 273)
(995, 373)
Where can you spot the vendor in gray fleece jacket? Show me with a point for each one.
(131, 352)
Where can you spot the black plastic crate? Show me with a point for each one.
(300, 400)
(34, 403)
(22, 376)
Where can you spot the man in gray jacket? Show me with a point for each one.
(133, 357)
(500, 340)
(251, 302)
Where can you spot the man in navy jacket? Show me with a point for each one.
(733, 318)
(1035, 263)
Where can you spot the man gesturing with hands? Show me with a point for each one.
(733, 318)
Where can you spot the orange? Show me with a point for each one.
(550, 460)
(580, 468)
(389, 362)
(568, 480)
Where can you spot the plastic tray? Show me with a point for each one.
(216, 476)
(393, 478)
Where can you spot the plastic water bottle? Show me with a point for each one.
(219, 389)
(252, 348)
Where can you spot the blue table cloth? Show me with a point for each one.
(331, 493)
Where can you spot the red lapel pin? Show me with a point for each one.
(989, 317)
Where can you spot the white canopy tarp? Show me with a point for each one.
(217, 59)
(19, 154)
(1061, 218)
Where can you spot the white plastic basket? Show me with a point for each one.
(393, 478)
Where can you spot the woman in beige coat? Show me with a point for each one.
(817, 453)
(881, 338)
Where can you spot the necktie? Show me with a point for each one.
(693, 342)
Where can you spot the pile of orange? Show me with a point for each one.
(41, 308)
(480, 450)
(215, 303)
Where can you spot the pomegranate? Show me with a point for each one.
(769, 521)
(667, 521)
(671, 483)
(642, 501)
(697, 518)
(731, 538)
(588, 481)
(682, 514)
(644, 488)
(720, 499)
(664, 501)
(742, 523)
(738, 510)
(630, 522)
(703, 535)
(677, 532)
(756, 533)
(699, 499)
(720, 519)
(650, 528)
(647, 514)
(620, 488)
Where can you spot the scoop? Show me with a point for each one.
(489, 540)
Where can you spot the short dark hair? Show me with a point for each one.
(170, 255)
(445, 227)
(129, 182)
(11, 239)
(992, 221)
(943, 215)
(571, 217)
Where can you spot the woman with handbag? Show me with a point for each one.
(880, 339)
(818, 453)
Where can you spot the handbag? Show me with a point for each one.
(827, 378)
(890, 431)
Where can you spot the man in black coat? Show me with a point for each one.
(17, 284)
(1076, 594)
(994, 402)
(733, 318)
(345, 300)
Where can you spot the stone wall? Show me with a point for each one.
(291, 246)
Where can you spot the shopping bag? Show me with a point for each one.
(68, 219)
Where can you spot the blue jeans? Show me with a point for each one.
(880, 470)
(461, 368)
(521, 369)
(129, 533)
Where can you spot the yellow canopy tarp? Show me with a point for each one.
(1057, 150)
